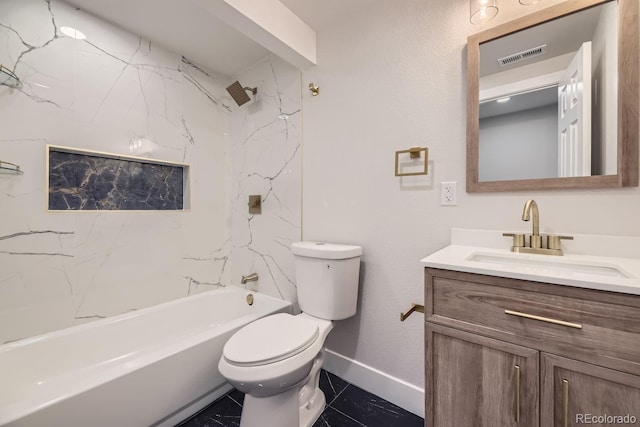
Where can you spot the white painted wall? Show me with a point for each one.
(519, 145)
(393, 77)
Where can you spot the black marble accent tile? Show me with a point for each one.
(331, 385)
(237, 396)
(332, 418)
(373, 411)
(88, 182)
(348, 406)
(224, 412)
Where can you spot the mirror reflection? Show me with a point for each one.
(548, 99)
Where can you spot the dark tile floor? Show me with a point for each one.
(347, 406)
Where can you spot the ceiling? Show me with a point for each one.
(554, 34)
(321, 14)
(182, 27)
(520, 102)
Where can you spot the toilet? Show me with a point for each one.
(276, 360)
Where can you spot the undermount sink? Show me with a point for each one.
(549, 264)
(605, 263)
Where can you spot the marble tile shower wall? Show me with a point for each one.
(101, 93)
(267, 160)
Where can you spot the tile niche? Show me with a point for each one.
(88, 180)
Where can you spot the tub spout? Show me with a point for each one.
(250, 278)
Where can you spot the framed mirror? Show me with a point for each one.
(552, 99)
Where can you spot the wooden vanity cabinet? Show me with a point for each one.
(479, 381)
(574, 392)
(578, 356)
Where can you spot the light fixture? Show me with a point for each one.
(483, 11)
(528, 2)
(142, 145)
(73, 33)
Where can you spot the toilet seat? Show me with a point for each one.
(271, 339)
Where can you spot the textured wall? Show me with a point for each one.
(104, 93)
(519, 145)
(393, 77)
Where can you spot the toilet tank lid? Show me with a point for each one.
(326, 250)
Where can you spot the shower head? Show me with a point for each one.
(239, 93)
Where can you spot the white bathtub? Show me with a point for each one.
(154, 366)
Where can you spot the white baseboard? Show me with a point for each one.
(396, 391)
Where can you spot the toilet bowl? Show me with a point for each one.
(276, 360)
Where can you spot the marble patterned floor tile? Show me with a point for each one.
(333, 418)
(237, 396)
(347, 406)
(224, 412)
(331, 385)
(373, 411)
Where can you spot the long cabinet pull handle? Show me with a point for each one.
(516, 400)
(565, 403)
(543, 319)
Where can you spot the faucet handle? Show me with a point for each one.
(518, 239)
(535, 241)
(554, 242)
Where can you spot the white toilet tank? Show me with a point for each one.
(327, 279)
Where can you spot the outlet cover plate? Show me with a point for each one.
(448, 193)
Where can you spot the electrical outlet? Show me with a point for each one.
(448, 194)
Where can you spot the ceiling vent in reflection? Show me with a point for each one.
(521, 56)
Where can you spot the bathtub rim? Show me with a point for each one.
(131, 314)
(25, 407)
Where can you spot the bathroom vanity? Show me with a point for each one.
(523, 340)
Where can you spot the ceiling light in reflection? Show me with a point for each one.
(283, 116)
(503, 100)
(73, 33)
(483, 11)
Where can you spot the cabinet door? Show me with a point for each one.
(474, 381)
(577, 394)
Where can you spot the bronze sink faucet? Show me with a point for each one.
(535, 246)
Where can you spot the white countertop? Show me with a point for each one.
(543, 268)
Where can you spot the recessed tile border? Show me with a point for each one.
(84, 180)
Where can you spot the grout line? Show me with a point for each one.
(324, 421)
(334, 389)
(338, 395)
(236, 402)
(348, 416)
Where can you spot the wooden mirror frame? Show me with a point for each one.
(628, 100)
